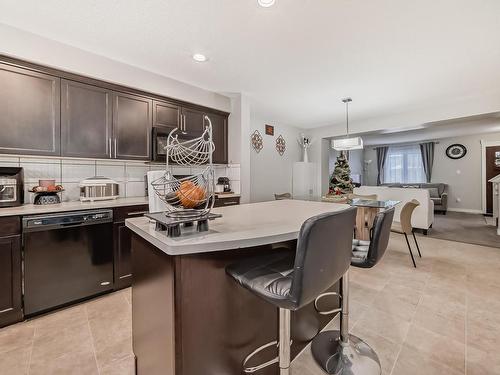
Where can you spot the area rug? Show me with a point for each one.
(463, 227)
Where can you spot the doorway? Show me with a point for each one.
(492, 169)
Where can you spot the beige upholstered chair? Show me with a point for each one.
(283, 196)
(405, 228)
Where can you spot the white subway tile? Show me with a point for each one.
(38, 159)
(236, 187)
(38, 171)
(136, 189)
(181, 170)
(116, 172)
(136, 172)
(71, 192)
(9, 161)
(234, 173)
(77, 172)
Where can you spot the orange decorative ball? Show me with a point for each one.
(190, 195)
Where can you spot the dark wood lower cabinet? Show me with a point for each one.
(224, 202)
(10, 280)
(122, 244)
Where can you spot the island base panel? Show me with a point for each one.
(217, 322)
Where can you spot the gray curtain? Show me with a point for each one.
(381, 158)
(427, 151)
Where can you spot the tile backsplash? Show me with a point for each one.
(131, 175)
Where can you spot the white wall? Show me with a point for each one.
(36, 49)
(270, 172)
(464, 176)
(238, 142)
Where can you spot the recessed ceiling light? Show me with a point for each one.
(266, 3)
(199, 57)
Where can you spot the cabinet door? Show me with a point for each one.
(122, 243)
(86, 115)
(122, 261)
(132, 124)
(219, 136)
(30, 108)
(193, 123)
(10, 280)
(166, 115)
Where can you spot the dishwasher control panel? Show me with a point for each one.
(67, 219)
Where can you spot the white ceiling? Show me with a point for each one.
(297, 59)
(484, 124)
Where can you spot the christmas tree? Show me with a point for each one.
(340, 180)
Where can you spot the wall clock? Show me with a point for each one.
(456, 151)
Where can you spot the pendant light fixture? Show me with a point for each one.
(347, 143)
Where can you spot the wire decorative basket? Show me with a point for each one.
(190, 197)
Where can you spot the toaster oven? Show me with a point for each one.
(11, 187)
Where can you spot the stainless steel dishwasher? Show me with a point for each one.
(67, 257)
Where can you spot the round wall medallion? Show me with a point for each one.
(456, 151)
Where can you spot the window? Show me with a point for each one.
(404, 165)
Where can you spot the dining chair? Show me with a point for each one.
(405, 228)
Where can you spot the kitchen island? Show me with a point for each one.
(189, 317)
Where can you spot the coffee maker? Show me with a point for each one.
(11, 186)
(224, 181)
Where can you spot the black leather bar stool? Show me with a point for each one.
(290, 281)
(339, 352)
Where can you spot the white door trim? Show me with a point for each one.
(485, 144)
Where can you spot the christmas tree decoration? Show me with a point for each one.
(340, 180)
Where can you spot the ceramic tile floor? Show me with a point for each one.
(441, 318)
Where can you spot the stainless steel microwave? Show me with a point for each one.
(160, 135)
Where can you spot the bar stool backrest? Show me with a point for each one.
(324, 251)
(405, 216)
(379, 241)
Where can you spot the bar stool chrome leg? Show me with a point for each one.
(340, 353)
(284, 342)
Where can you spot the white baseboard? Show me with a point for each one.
(466, 210)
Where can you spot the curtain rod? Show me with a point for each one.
(405, 144)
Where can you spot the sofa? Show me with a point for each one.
(423, 216)
(438, 192)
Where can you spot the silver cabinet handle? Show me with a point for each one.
(110, 148)
(115, 148)
(137, 213)
(184, 124)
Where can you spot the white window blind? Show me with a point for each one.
(404, 165)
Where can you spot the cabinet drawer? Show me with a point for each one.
(224, 202)
(122, 213)
(10, 226)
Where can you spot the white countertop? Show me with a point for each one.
(241, 226)
(31, 209)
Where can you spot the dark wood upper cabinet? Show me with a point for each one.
(29, 112)
(132, 123)
(219, 136)
(166, 115)
(193, 123)
(86, 120)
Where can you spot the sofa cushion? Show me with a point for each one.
(437, 201)
(434, 192)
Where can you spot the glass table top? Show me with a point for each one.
(359, 202)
